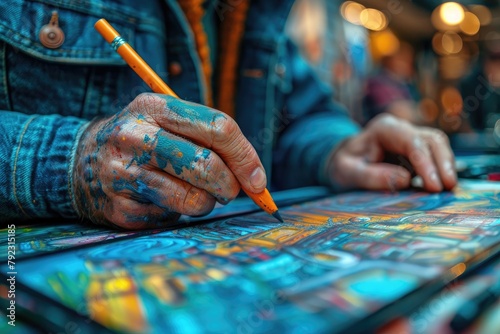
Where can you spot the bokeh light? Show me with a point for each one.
(451, 100)
(351, 11)
(383, 43)
(470, 24)
(452, 42)
(373, 19)
(483, 14)
(429, 110)
(451, 13)
(452, 67)
(447, 43)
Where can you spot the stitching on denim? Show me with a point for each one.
(71, 168)
(18, 202)
(3, 67)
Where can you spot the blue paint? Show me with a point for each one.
(193, 112)
(384, 287)
(179, 154)
(144, 158)
(141, 117)
(146, 139)
(204, 154)
(112, 127)
(138, 187)
(97, 194)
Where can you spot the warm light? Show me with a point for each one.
(437, 44)
(482, 13)
(429, 110)
(373, 19)
(452, 42)
(453, 67)
(470, 25)
(447, 43)
(451, 13)
(383, 43)
(351, 11)
(451, 100)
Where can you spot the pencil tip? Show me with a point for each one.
(278, 216)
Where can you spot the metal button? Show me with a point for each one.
(51, 36)
(174, 68)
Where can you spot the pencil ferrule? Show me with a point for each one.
(117, 42)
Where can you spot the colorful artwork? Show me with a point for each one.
(333, 263)
(32, 240)
(435, 315)
(35, 239)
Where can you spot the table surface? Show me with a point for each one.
(339, 264)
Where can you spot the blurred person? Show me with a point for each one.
(392, 89)
(336, 49)
(79, 141)
(481, 89)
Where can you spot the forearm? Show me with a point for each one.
(306, 147)
(36, 156)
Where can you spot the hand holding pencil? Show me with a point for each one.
(161, 157)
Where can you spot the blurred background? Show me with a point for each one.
(432, 62)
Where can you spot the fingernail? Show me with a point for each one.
(451, 173)
(434, 178)
(258, 178)
(448, 167)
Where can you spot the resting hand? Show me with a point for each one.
(358, 162)
(159, 158)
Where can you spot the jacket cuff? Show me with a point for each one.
(338, 133)
(43, 164)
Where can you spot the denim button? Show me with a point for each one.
(51, 36)
(280, 69)
(174, 68)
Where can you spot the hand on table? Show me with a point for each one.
(159, 158)
(358, 162)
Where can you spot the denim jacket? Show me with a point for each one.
(48, 96)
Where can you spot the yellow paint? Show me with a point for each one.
(226, 251)
(168, 293)
(458, 269)
(112, 300)
(197, 263)
(216, 274)
(116, 285)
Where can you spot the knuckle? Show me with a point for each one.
(223, 129)
(197, 202)
(233, 191)
(115, 216)
(441, 136)
(385, 120)
(147, 102)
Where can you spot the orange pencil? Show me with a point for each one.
(263, 199)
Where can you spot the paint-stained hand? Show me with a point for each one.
(359, 161)
(159, 158)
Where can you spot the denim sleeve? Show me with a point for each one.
(319, 125)
(36, 155)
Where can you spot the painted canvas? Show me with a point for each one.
(435, 316)
(46, 238)
(333, 264)
(33, 240)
